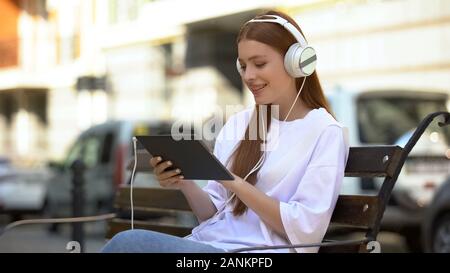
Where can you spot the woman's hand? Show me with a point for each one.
(166, 178)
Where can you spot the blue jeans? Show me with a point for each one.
(145, 241)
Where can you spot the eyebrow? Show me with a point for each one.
(253, 57)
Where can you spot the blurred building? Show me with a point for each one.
(399, 44)
(67, 65)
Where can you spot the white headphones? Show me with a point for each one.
(300, 59)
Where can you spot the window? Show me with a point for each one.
(383, 120)
(124, 10)
(107, 148)
(91, 152)
(74, 154)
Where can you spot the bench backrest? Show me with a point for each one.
(158, 208)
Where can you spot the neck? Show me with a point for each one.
(299, 111)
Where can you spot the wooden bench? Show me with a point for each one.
(167, 210)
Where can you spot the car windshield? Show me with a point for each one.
(383, 120)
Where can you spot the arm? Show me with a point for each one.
(199, 200)
(267, 208)
(308, 211)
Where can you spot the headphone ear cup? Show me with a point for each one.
(291, 61)
(238, 67)
(300, 61)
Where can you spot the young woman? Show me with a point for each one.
(284, 191)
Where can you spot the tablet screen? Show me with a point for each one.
(190, 156)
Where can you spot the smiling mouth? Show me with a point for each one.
(257, 91)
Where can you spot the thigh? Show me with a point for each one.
(145, 241)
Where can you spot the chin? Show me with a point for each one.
(261, 101)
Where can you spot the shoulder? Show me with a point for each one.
(332, 144)
(330, 128)
(322, 116)
(333, 133)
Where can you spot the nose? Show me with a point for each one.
(249, 74)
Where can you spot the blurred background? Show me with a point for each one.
(79, 78)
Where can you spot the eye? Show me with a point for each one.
(243, 67)
(260, 65)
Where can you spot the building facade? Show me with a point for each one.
(68, 65)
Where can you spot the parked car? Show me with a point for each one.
(105, 150)
(436, 224)
(21, 191)
(7, 171)
(8, 177)
(386, 117)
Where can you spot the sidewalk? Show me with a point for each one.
(37, 239)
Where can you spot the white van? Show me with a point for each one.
(386, 117)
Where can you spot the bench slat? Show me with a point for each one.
(368, 161)
(158, 198)
(359, 248)
(362, 161)
(356, 210)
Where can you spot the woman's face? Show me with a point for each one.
(264, 73)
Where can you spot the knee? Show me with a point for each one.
(123, 236)
(120, 241)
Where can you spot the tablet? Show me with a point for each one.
(190, 156)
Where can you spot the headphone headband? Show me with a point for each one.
(300, 59)
(286, 24)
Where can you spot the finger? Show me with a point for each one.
(168, 174)
(162, 166)
(171, 181)
(155, 161)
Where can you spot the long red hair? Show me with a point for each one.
(248, 152)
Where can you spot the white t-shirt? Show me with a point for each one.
(304, 172)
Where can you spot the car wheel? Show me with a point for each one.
(441, 235)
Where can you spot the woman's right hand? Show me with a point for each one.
(166, 178)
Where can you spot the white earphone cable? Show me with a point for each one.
(131, 182)
(296, 98)
(262, 158)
